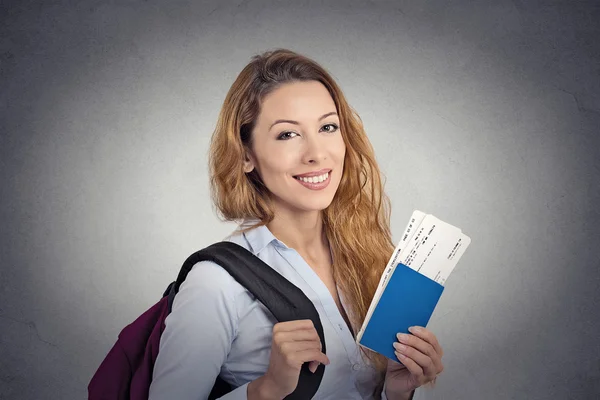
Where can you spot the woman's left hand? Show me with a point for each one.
(421, 358)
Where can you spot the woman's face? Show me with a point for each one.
(297, 146)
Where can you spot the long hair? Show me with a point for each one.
(357, 222)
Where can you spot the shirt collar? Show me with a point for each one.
(259, 238)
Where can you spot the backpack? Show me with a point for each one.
(126, 372)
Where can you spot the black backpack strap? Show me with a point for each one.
(286, 301)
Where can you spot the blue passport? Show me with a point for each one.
(408, 299)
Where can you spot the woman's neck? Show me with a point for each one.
(304, 233)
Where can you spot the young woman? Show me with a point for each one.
(291, 163)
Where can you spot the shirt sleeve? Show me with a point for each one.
(384, 396)
(197, 337)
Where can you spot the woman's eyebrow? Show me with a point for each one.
(289, 121)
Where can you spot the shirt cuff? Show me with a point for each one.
(384, 396)
(239, 393)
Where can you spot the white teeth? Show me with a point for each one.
(315, 179)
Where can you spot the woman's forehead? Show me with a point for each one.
(306, 100)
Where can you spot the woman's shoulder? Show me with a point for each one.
(213, 278)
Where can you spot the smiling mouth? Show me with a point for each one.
(314, 179)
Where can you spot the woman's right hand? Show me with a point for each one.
(294, 343)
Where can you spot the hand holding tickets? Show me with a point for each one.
(413, 281)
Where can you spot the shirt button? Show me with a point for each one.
(356, 367)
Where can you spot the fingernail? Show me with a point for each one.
(414, 329)
(400, 355)
(399, 347)
(403, 337)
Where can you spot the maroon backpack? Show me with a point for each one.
(126, 372)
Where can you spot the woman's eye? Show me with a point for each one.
(287, 135)
(332, 128)
(329, 128)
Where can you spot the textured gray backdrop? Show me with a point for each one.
(486, 114)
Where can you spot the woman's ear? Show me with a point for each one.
(248, 162)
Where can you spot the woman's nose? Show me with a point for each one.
(314, 152)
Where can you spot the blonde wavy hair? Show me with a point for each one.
(357, 223)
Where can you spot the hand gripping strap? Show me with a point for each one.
(285, 301)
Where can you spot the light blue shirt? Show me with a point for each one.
(217, 327)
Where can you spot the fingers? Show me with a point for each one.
(311, 355)
(313, 365)
(302, 332)
(293, 325)
(296, 357)
(413, 367)
(426, 365)
(418, 344)
(301, 351)
(299, 335)
(294, 343)
(421, 349)
(299, 342)
(292, 347)
(428, 336)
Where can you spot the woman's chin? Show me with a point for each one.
(316, 206)
(308, 205)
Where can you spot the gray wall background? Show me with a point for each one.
(486, 114)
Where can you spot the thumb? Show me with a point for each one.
(313, 365)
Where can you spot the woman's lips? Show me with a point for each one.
(315, 185)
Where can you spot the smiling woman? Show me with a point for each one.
(291, 163)
(306, 152)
